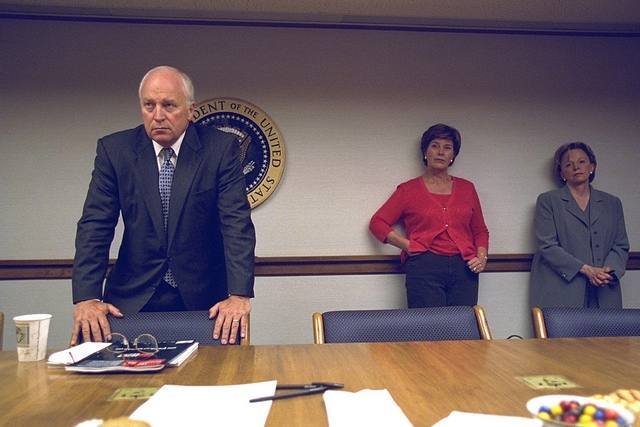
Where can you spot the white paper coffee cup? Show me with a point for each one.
(32, 332)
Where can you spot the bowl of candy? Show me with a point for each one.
(568, 410)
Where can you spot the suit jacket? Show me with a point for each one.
(566, 242)
(210, 239)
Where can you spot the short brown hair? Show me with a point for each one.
(560, 152)
(441, 131)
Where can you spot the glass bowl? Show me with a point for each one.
(534, 405)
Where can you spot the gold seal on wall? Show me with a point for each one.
(261, 143)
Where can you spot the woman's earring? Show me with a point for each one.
(450, 161)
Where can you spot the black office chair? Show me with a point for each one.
(170, 325)
(412, 324)
(559, 322)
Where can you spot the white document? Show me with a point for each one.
(77, 353)
(226, 405)
(466, 419)
(363, 408)
(179, 359)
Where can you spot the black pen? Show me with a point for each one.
(308, 386)
(305, 389)
(315, 390)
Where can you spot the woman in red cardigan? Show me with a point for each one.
(446, 240)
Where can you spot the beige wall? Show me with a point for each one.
(351, 106)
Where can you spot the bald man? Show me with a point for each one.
(188, 240)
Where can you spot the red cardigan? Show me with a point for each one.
(424, 217)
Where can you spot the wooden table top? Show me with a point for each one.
(428, 380)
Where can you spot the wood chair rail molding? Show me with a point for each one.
(55, 269)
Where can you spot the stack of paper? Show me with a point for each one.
(465, 419)
(363, 408)
(175, 405)
(77, 353)
(95, 358)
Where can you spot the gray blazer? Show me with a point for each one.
(566, 242)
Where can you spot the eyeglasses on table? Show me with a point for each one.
(145, 345)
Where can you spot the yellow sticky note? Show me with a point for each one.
(555, 382)
(139, 393)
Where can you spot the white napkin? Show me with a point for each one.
(77, 353)
(466, 419)
(363, 408)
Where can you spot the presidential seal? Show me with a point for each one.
(261, 143)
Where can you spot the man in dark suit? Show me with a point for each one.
(188, 241)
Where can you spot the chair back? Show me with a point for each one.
(170, 326)
(558, 322)
(412, 324)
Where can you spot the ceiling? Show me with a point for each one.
(588, 16)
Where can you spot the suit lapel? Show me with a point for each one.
(571, 206)
(189, 161)
(597, 205)
(147, 172)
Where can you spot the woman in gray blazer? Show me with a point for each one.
(582, 240)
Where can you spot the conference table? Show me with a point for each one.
(428, 380)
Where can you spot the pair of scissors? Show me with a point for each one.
(304, 389)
